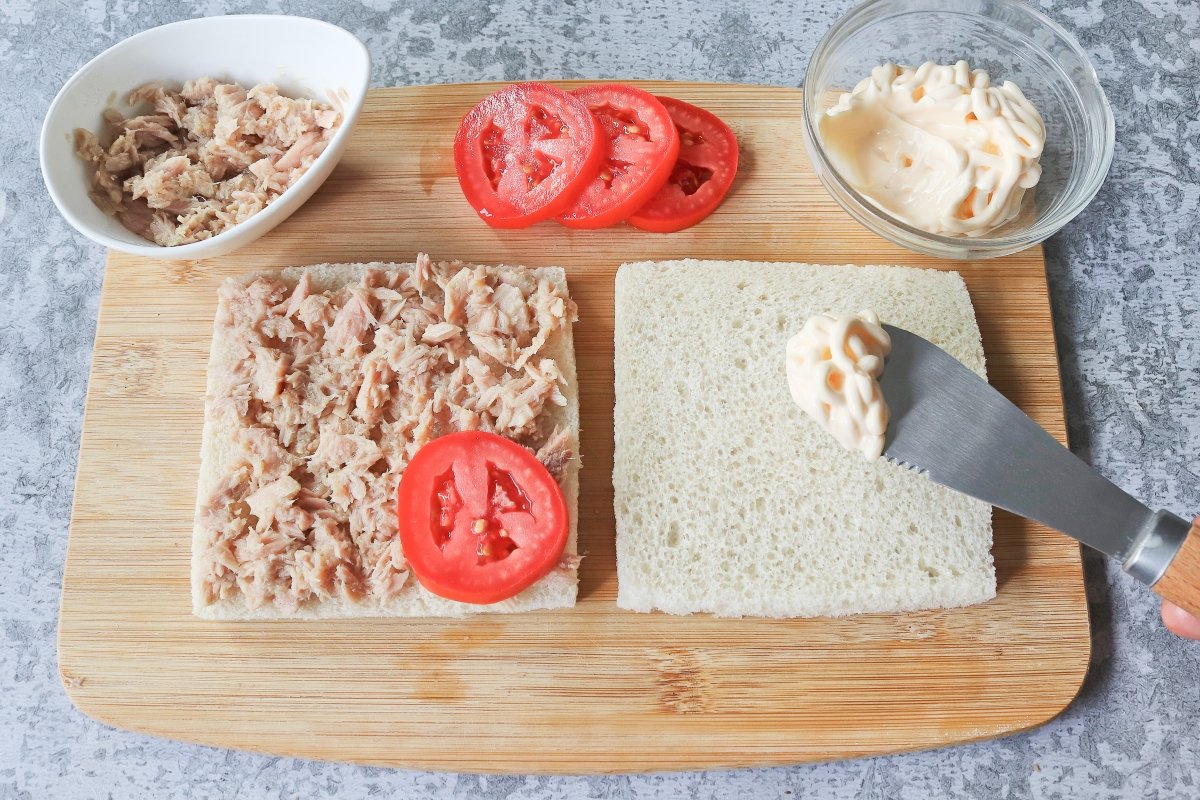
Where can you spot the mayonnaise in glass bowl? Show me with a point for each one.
(1012, 42)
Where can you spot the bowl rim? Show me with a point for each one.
(1028, 237)
(350, 115)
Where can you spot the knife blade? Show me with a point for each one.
(947, 422)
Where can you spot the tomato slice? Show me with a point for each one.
(703, 173)
(480, 517)
(641, 145)
(525, 152)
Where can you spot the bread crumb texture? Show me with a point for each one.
(729, 499)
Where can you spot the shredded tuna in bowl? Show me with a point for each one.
(191, 167)
(208, 156)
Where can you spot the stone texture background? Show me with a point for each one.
(1126, 302)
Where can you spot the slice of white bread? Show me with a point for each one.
(729, 499)
(218, 453)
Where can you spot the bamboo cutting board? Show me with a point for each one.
(594, 689)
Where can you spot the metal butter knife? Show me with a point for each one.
(952, 425)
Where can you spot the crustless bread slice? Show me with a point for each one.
(728, 498)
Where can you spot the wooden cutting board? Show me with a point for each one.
(594, 689)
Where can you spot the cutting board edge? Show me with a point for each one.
(485, 87)
(698, 762)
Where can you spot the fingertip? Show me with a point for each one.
(1180, 622)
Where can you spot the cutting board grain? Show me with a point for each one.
(594, 689)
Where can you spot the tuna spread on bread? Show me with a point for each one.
(833, 366)
(328, 395)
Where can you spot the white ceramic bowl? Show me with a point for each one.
(304, 57)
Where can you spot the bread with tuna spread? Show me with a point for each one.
(323, 382)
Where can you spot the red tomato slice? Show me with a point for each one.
(525, 153)
(703, 173)
(641, 146)
(480, 517)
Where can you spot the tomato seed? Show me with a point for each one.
(690, 178)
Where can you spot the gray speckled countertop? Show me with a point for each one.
(1127, 309)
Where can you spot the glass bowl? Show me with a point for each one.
(1012, 42)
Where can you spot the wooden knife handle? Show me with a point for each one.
(1181, 582)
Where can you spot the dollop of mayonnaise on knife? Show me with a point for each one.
(833, 364)
(939, 147)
